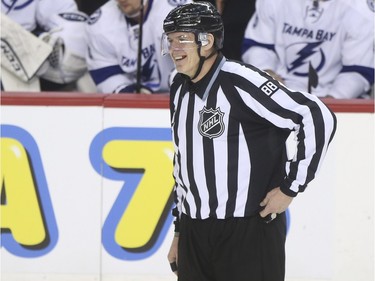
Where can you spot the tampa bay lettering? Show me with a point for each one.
(302, 32)
(146, 53)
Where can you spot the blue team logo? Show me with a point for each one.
(211, 122)
(15, 5)
(151, 73)
(300, 55)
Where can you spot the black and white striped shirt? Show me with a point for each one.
(229, 132)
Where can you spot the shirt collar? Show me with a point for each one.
(201, 88)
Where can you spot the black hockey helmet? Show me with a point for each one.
(197, 17)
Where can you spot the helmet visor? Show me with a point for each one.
(177, 41)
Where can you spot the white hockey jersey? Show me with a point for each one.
(333, 41)
(36, 13)
(113, 47)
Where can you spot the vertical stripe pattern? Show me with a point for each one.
(230, 142)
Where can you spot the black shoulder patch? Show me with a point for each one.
(269, 88)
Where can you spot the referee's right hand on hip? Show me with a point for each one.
(173, 255)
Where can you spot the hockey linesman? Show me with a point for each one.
(233, 182)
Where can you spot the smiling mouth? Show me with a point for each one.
(179, 58)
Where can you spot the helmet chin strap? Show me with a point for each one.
(201, 62)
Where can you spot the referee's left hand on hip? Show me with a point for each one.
(275, 202)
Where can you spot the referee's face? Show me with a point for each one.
(183, 50)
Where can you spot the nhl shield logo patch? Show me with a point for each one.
(211, 122)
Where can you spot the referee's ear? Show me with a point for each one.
(209, 43)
